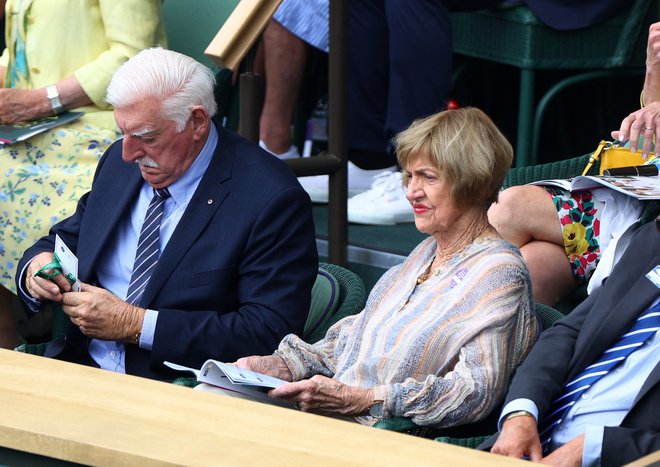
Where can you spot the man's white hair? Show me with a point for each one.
(179, 81)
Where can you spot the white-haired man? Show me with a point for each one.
(234, 257)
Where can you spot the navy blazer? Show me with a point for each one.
(234, 278)
(564, 350)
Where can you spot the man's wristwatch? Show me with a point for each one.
(517, 413)
(54, 98)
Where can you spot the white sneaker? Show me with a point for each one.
(359, 181)
(384, 204)
(291, 153)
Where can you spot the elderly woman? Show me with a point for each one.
(442, 332)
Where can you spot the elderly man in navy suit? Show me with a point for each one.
(193, 243)
(588, 392)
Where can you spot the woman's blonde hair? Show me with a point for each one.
(465, 146)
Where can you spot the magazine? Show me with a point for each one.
(640, 187)
(232, 378)
(10, 134)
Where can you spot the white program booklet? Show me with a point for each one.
(232, 378)
(68, 262)
(640, 187)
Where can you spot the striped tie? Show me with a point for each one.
(646, 326)
(148, 248)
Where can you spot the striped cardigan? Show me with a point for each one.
(440, 353)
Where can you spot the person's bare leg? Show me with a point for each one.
(552, 277)
(284, 60)
(8, 333)
(526, 217)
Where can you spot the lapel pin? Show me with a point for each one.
(210, 201)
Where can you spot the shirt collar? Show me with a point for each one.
(183, 188)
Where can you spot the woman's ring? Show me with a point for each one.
(647, 128)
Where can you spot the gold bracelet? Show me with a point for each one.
(517, 413)
(641, 99)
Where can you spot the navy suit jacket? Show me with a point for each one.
(234, 278)
(564, 350)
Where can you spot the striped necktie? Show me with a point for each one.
(148, 248)
(646, 325)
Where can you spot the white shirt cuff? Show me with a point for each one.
(518, 404)
(148, 329)
(593, 445)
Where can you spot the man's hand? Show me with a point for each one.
(43, 289)
(102, 315)
(270, 365)
(519, 438)
(326, 395)
(569, 454)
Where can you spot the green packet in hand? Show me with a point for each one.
(64, 262)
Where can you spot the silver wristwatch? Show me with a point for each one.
(54, 98)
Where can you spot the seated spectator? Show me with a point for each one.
(296, 26)
(611, 345)
(222, 265)
(563, 235)
(59, 56)
(441, 333)
(590, 222)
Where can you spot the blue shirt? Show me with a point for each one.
(605, 403)
(115, 267)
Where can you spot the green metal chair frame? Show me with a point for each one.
(514, 36)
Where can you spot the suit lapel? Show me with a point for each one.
(210, 194)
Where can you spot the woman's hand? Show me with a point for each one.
(646, 122)
(652, 79)
(326, 395)
(270, 365)
(23, 105)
